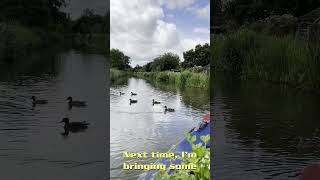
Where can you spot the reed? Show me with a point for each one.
(251, 55)
(183, 79)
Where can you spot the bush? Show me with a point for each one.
(16, 41)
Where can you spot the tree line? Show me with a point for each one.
(35, 13)
(48, 15)
(199, 56)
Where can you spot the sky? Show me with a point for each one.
(145, 29)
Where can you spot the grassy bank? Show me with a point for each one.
(116, 74)
(183, 79)
(258, 56)
(17, 41)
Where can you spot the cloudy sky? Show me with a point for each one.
(144, 29)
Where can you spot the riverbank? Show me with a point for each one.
(252, 55)
(116, 74)
(17, 41)
(184, 79)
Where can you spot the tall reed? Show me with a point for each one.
(259, 56)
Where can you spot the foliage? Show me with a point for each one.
(248, 11)
(253, 55)
(116, 74)
(90, 22)
(276, 25)
(199, 56)
(182, 79)
(138, 68)
(202, 162)
(165, 62)
(17, 41)
(39, 13)
(119, 60)
(148, 67)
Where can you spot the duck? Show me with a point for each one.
(133, 101)
(155, 102)
(76, 103)
(121, 93)
(38, 101)
(74, 126)
(168, 109)
(133, 94)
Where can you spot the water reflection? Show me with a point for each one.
(144, 126)
(263, 130)
(30, 136)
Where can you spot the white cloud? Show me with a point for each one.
(200, 12)
(202, 30)
(204, 12)
(139, 30)
(173, 4)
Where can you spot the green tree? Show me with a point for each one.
(165, 62)
(90, 22)
(33, 12)
(119, 60)
(199, 56)
(138, 68)
(147, 67)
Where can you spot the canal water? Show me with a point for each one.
(263, 130)
(142, 127)
(31, 144)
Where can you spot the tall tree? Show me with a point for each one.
(199, 56)
(119, 60)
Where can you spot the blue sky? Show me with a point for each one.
(144, 29)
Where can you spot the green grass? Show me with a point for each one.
(17, 41)
(183, 79)
(116, 74)
(251, 55)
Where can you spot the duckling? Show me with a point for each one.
(34, 101)
(155, 102)
(74, 126)
(121, 93)
(76, 103)
(133, 101)
(133, 94)
(168, 109)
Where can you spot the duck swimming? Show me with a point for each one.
(133, 101)
(35, 101)
(133, 94)
(166, 109)
(74, 126)
(76, 103)
(121, 93)
(155, 102)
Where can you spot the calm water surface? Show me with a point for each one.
(257, 130)
(142, 127)
(31, 144)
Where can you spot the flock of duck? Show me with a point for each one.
(68, 126)
(133, 101)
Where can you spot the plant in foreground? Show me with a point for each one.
(201, 160)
